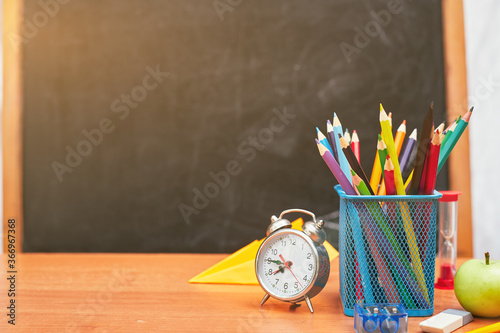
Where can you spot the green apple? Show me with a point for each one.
(477, 286)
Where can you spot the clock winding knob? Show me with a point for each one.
(314, 231)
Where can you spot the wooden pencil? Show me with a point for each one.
(389, 177)
(322, 138)
(423, 143)
(353, 162)
(344, 164)
(391, 150)
(335, 169)
(355, 145)
(440, 128)
(432, 163)
(376, 173)
(404, 161)
(331, 136)
(449, 132)
(452, 141)
(398, 142)
(382, 152)
(347, 136)
(360, 184)
(400, 137)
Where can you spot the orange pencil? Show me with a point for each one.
(389, 177)
(432, 163)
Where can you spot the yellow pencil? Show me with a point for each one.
(405, 211)
(391, 150)
(398, 142)
(487, 329)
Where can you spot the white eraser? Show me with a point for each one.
(446, 321)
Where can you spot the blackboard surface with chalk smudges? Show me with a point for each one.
(182, 126)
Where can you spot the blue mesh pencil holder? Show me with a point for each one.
(387, 247)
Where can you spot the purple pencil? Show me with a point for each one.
(335, 169)
(331, 136)
(405, 157)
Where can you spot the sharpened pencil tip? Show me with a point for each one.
(471, 109)
(404, 122)
(381, 107)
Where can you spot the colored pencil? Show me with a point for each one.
(398, 142)
(441, 136)
(382, 152)
(347, 136)
(389, 177)
(354, 164)
(322, 138)
(408, 181)
(331, 136)
(493, 328)
(355, 145)
(376, 173)
(432, 163)
(360, 184)
(423, 143)
(449, 132)
(457, 133)
(405, 157)
(421, 188)
(335, 169)
(440, 128)
(400, 137)
(391, 150)
(405, 214)
(344, 164)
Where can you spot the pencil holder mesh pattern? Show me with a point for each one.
(387, 247)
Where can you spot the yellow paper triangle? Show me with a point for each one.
(239, 267)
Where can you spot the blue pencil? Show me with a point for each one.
(344, 164)
(324, 141)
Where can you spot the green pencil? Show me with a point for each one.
(382, 152)
(455, 136)
(449, 132)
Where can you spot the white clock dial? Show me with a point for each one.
(287, 265)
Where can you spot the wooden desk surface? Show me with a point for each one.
(150, 292)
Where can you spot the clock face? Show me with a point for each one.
(287, 265)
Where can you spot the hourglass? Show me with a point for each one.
(447, 239)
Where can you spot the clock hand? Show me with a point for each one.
(277, 262)
(281, 269)
(287, 265)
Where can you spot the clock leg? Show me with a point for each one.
(264, 300)
(309, 304)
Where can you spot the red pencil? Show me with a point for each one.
(432, 163)
(390, 187)
(355, 144)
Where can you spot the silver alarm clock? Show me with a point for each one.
(292, 265)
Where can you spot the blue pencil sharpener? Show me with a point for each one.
(380, 318)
